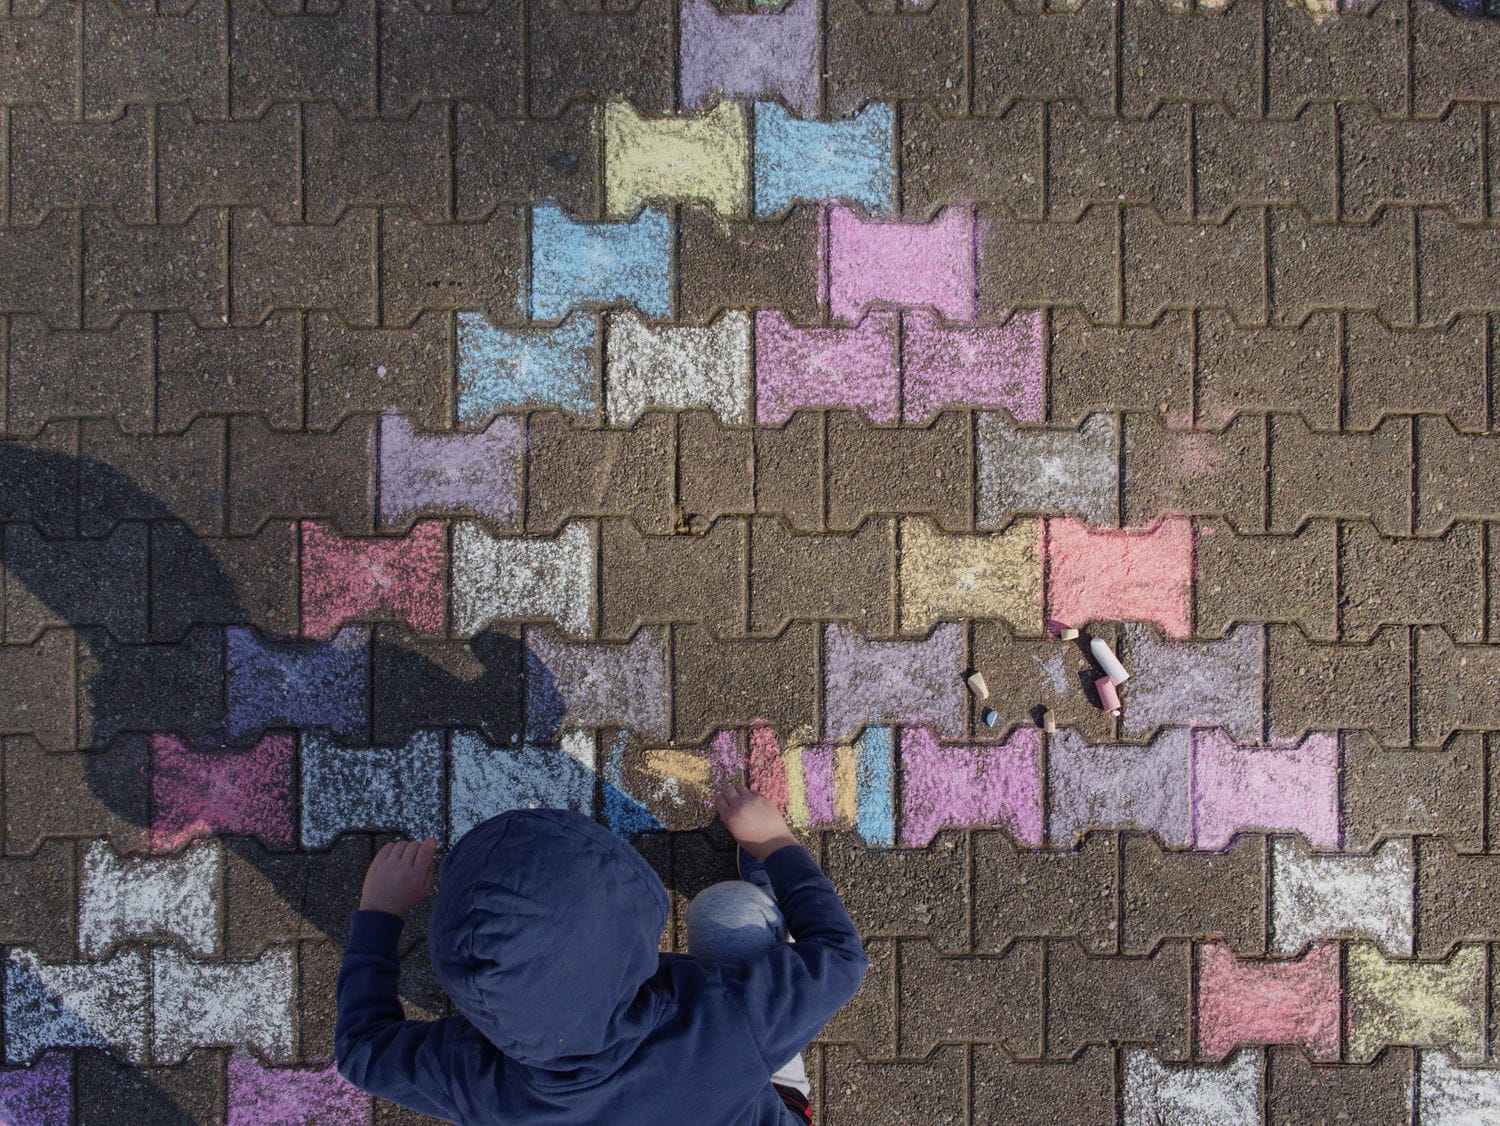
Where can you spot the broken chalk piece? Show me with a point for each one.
(975, 681)
(1108, 661)
(1069, 634)
(1109, 699)
(991, 717)
(1049, 722)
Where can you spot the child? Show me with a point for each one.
(545, 934)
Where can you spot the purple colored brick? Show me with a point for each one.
(852, 367)
(759, 55)
(474, 473)
(944, 786)
(1119, 786)
(904, 683)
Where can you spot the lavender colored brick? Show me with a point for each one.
(1197, 683)
(751, 56)
(594, 684)
(947, 786)
(1119, 786)
(40, 1095)
(299, 684)
(893, 682)
(275, 1096)
(476, 473)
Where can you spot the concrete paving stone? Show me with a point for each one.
(1027, 893)
(320, 1093)
(281, 475)
(1411, 581)
(1300, 1092)
(868, 1021)
(243, 580)
(681, 367)
(1243, 161)
(472, 266)
(106, 1090)
(167, 899)
(734, 53)
(1209, 472)
(37, 898)
(1453, 471)
(62, 373)
(577, 264)
(979, 365)
(715, 468)
(1437, 163)
(501, 160)
(1401, 793)
(278, 682)
(772, 263)
(700, 157)
(308, 56)
(1169, 55)
(477, 473)
(885, 1093)
(1454, 1094)
(383, 788)
(1248, 1001)
(996, 160)
(157, 268)
(1169, 265)
(500, 369)
(946, 998)
(39, 270)
(1320, 687)
(572, 684)
(42, 1092)
(222, 1004)
(911, 892)
(627, 52)
(580, 471)
(40, 699)
(420, 683)
(993, 575)
(1102, 1000)
(1053, 471)
(1051, 674)
(1343, 265)
(352, 370)
(786, 569)
(1424, 1004)
(854, 366)
(1454, 686)
(1094, 367)
(730, 683)
(1021, 53)
(1028, 1093)
(1193, 683)
(299, 266)
(171, 56)
(1457, 265)
(1169, 894)
(222, 370)
(387, 162)
(146, 476)
(1451, 60)
(207, 163)
(1288, 788)
(346, 579)
(51, 793)
(1259, 578)
(892, 682)
(1341, 895)
(42, 57)
(430, 55)
(872, 470)
(1455, 897)
(1317, 60)
(1131, 574)
(1192, 1094)
(1269, 369)
(1436, 369)
(76, 1005)
(41, 479)
(485, 779)
(654, 579)
(881, 261)
(203, 789)
(515, 578)
(61, 165)
(96, 582)
(1119, 160)
(871, 55)
(1118, 786)
(174, 687)
(789, 477)
(1024, 265)
(1355, 476)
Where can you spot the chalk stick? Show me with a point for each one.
(1069, 634)
(976, 684)
(1049, 722)
(1109, 699)
(1108, 661)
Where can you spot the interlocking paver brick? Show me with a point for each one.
(771, 263)
(1248, 1001)
(1450, 59)
(1131, 574)
(599, 684)
(1143, 161)
(1021, 892)
(1249, 578)
(789, 471)
(1026, 52)
(1192, 1094)
(577, 471)
(40, 481)
(42, 1092)
(501, 159)
(1411, 581)
(698, 578)
(240, 580)
(1054, 471)
(1316, 896)
(1345, 60)
(1283, 368)
(346, 789)
(995, 575)
(1213, 472)
(1404, 792)
(872, 470)
(257, 1090)
(679, 367)
(1119, 785)
(37, 899)
(277, 897)
(200, 1003)
(40, 701)
(148, 477)
(1243, 161)
(583, 264)
(903, 891)
(750, 55)
(872, 55)
(700, 157)
(419, 683)
(289, 475)
(41, 53)
(292, 266)
(944, 998)
(345, 579)
(66, 373)
(173, 687)
(995, 160)
(870, 682)
(785, 566)
(1199, 683)
(1027, 1093)
(1426, 1004)
(853, 366)
(868, 1021)
(170, 898)
(1457, 265)
(1438, 369)
(288, 56)
(353, 163)
(1167, 55)
(273, 683)
(75, 1005)
(981, 365)
(573, 51)
(715, 468)
(429, 55)
(198, 791)
(441, 266)
(1452, 1093)
(1288, 788)
(499, 368)
(72, 805)
(882, 261)
(138, 269)
(853, 160)
(1312, 686)
(107, 1089)
(350, 369)
(1455, 897)
(1102, 1000)
(484, 779)
(1300, 1092)
(60, 165)
(719, 683)
(208, 163)
(1358, 476)
(1098, 366)
(219, 369)
(1438, 163)
(1344, 265)
(904, 1090)
(1025, 264)
(1056, 675)
(94, 582)
(516, 578)
(174, 56)
(1454, 686)
(1452, 469)
(943, 786)
(1169, 894)
(1167, 265)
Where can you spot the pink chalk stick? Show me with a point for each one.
(200, 793)
(1109, 697)
(1292, 789)
(767, 767)
(982, 365)
(945, 786)
(1252, 1001)
(263, 1096)
(853, 367)
(1142, 575)
(347, 579)
(873, 260)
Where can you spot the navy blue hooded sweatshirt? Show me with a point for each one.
(545, 933)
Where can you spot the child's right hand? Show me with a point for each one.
(753, 820)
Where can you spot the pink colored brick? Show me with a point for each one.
(293, 1096)
(199, 793)
(1287, 789)
(877, 260)
(1254, 1001)
(382, 576)
(768, 767)
(1133, 574)
(853, 367)
(981, 365)
(999, 786)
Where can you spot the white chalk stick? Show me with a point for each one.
(1049, 722)
(1108, 661)
(1069, 634)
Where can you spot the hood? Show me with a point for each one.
(545, 927)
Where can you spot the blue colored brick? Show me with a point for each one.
(851, 160)
(357, 789)
(299, 684)
(576, 264)
(499, 369)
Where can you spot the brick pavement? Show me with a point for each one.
(413, 411)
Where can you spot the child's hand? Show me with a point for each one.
(753, 820)
(399, 877)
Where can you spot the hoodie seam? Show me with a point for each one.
(745, 1020)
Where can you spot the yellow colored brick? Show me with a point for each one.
(1427, 1004)
(681, 158)
(948, 577)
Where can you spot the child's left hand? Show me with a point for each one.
(399, 877)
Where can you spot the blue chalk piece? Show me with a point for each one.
(600, 264)
(990, 717)
(299, 684)
(499, 369)
(852, 160)
(873, 775)
(622, 813)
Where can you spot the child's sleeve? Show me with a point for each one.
(411, 1062)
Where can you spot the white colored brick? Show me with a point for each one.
(1348, 896)
(521, 578)
(485, 779)
(199, 1004)
(1226, 1094)
(120, 899)
(1457, 1096)
(678, 368)
(372, 788)
(75, 1005)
